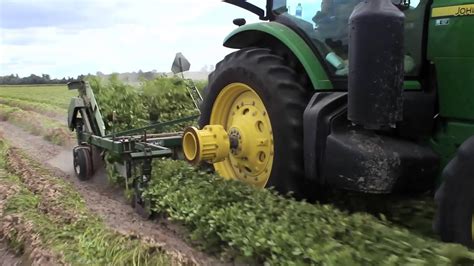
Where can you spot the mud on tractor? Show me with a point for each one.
(371, 96)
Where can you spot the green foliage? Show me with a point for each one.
(200, 84)
(120, 104)
(261, 226)
(158, 100)
(3, 153)
(112, 173)
(167, 99)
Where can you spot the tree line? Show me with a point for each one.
(127, 77)
(14, 79)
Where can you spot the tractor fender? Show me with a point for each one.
(263, 34)
(74, 106)
(348, 157)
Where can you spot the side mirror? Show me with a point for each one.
(239, 22)
(180, 64)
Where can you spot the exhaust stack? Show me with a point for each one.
(376, 55)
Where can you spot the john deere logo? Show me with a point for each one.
(448, 11)
(464, 11)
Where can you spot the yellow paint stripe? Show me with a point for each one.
(448, 11)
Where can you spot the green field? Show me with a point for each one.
(54, 95)
(38, 109)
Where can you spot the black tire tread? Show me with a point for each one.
(84, 159)
(455, 198)
(261, 66)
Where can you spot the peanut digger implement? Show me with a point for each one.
(135, 147)
(374, 97)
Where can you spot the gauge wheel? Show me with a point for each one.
(82, 162)
(259, 101)
(454, 220)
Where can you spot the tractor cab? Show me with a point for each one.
(324, 26)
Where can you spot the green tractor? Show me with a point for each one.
(373, 96)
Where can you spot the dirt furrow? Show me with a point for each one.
(109, 203)
(8, 258)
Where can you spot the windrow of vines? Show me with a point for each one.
(159, 100)
(255, 226)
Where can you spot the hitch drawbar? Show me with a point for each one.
(210, 144)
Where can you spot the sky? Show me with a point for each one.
(72, 37)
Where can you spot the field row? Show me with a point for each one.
(41, 108)
(44, 219)
(57, 96)
(37, 124)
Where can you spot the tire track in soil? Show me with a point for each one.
(104, 200)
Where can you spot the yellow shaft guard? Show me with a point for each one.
(210, 144)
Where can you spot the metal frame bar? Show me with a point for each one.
(135, 146)
(249, 7)
(154, 126)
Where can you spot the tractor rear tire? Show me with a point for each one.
(83, 162)
(279, 88)
(454, 220)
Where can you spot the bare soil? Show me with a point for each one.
(7, 257)
(107, 202)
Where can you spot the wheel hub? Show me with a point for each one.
(234, 139)
(239, 138)
(251, 154)
(244, 116)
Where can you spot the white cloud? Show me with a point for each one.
(142, 35)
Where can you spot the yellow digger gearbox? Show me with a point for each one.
(210, 144)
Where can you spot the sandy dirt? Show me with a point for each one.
(104, 200)
(8, 258)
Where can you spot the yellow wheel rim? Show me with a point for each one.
(241, 112)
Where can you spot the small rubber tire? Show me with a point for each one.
(83, 163)
(285, 98)
(455, 198)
